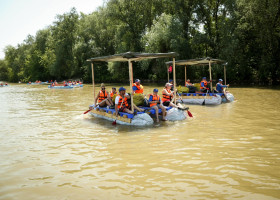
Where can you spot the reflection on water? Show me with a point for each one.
(50, 150)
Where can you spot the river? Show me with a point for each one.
(50, 150)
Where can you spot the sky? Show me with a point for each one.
(19, 18)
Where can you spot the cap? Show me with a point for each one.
(122, 89)
(167, 84)
(102, 85)
(155, 90)
(137, 80)
(220, 79)
(204, 78)
(170, 80)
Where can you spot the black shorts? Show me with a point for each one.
(122, 108)
(166, 103)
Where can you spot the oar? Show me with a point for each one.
(203, 103)
(189, 113)
(97, 103)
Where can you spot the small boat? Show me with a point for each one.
(141, 118)
(60, 87)
(199, 97)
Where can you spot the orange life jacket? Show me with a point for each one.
(102, 96)
(155, 98)
(166, 97)
(122, 102)
(112, 94)
(205, 84)
(139, 89)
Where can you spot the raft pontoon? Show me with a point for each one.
(142, 118)
(199, 97)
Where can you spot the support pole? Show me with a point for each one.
(210, 75)
(167, 74)
(225, 75)
(93, 83)
(185, 74)
(131, 83)
(174, 80)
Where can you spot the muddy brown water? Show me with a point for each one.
(50, 150)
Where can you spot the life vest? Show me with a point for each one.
(155, 98)
(112, 94)
(205, 84)
(166, 97)
(140, 88)
(122, 102)
(102, 96)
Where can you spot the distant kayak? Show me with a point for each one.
(60, 87)
(41, 83)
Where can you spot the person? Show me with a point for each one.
(192, 88)
(155, 103)
(103, 97)
(220, 86)
(137, 87)
(122, 105)
(113, 92)
(203, 85)
(167, 96)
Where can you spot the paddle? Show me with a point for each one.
(189, 113)
(203, 103)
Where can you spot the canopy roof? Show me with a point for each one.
(132, 56)
(198, 62)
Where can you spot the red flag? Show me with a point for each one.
(170, 69)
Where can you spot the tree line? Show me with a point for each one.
(245, 33)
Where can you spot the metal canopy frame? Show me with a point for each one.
(129, 57)
(200, 62)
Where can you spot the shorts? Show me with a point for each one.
(166, 103)
(122, 108)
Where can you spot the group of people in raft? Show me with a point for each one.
(204, 86)
(123, 104)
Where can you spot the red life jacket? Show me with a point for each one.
(102, 96)
(122, 102)
(139, 89)
(205, 84)
(166, 97)
(155, 98)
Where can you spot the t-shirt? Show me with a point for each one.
(220, 87)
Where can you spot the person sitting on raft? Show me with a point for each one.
(167, 96)
(113, 92)
(137, 87)
(192, 88)
(203, 85)
(155, 103)
(103, 97)
(122, 105)
(220, 86)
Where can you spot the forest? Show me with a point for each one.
(245, 33)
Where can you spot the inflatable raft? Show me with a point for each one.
(41, 83)
(141, 119)
(206, 98)
(65, 87)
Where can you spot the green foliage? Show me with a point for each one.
(244, 33)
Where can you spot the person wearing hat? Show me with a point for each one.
(203, 85)
(103, 98)
(121, 103)
(155, 103)
(167, 96)
(220, 86)
(137, 87)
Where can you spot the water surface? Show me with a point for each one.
(50, 150)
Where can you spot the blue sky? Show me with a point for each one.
(18, 18)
